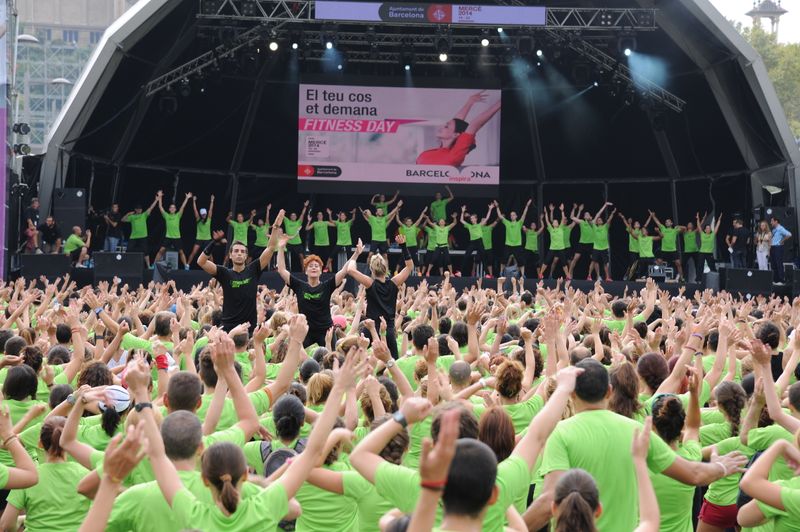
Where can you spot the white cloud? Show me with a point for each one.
(789, 29)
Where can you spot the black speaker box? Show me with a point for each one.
(51, 266)
(711, 281)
(126, 266)
(69, 208)
(748, 281)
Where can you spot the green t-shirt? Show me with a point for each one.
(17, 410)
(173, 222)
(475, 231)
(633, 241)
(600, 237)
(556, 238)
(377, 225)
(646, 247)
(439, 209)
(240, 230)
(262, 511)
(203, 230)
(383, 206)
(513, 233)
(532, 240)
(3, 476)
(760, 439)
(723, 492)
(521, 413)
(707, 242)
(587, 232)
(53, 503)
(674, 497)
(567, 229)
(292, 227)
(410, 232)
(669, 240)
(325, 510)
(690, 242)
(261, 235)
(321, 237)
(441, 233)
(343, 237)
(486, 234)
(72, 243)
(371, 506)
(406, 364)
(599, 441)
(431, 238)
(138, 225)
(788, 519)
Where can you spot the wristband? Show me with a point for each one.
(698, 353)
(7, 440)
(162, 362)
(98, 310)
(207, 250)
(141, 406)
(400, 418)
(406, 253)
(433, 485)
(697, 335)
(724, 469)
(482, 382)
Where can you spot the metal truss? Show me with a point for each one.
(568, 18)
(621, 70)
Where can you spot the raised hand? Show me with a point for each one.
(434, 463)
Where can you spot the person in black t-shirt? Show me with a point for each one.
(113, 228)
(50, 237)
(313, 296)
(382, 294)
(240, 282)
(737, 241)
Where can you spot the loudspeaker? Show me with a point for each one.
(69, 208)
(711, 281)
(748, 281)
(126, 266)
(51, 266)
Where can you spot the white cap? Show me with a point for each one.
(203, 212)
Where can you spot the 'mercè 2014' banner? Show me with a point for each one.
(430, 13)
(399, 135)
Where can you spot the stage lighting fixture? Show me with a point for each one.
(295, 46)
(626, 44)
(329, 45)
(525, 45)
(185, 88)
(484, 42)
(339, 66)
(22, 149)
(442, 57)
(273, 45)
(499, 30)
(596, 84)
(21, 129)
(539, 53)
(407, 67)
(627, 52)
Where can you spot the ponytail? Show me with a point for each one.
(50, 436)
(575, 515)
(731, 399)
(110, 419)
(224, 467)
(228, 494)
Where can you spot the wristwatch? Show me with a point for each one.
(71, 399)
(400, 418)
(98, 310)
(141, 406)
(390, 363)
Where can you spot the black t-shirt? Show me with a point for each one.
(314, 301)
(239, 292)
(50, 233)
(382, 301)
(32, 215)
(111, 231)
(741, 235)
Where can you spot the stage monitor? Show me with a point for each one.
(431, 13)
(360, 139)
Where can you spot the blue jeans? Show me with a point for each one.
(776, 259)
(110, 244)
(738, 259)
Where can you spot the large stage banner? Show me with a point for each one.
(398, 135)
(431, 13)
(4, 77)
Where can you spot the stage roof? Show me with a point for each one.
(239, 116)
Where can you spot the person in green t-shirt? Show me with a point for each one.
(777, 499)
(440, 232)
(379, 200)
(646, 249)
(708, 239)
(202, 218)
(439, 205)
(241, 227)
(690, 250)
(292, 225)
(513, 244)
(344, 240)
(669, 243)
(322, 241)
(137, 242)
(475, 245)
(76, 247)
(172, 218)
(555, 254)
(532, 259)
(586, 239)
(410, 230)
(600, 246)
(488, 251)
(634, 229)
(378, 223)
(261, 229)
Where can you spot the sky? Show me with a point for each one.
(789, 29)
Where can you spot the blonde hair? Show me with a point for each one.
(319, 386)
(513, 312)
(378, 266)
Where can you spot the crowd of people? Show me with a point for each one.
(430, 237)
(237, 407)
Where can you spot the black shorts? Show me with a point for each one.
(137, 245)
(75, 254)
(560, 254)
(531, 258)
(600, 256)
(202, 243)
(669, 256)
(412, 250)
(256, 251)
(172, 244)
(584, 249)
(297, 249)
(378, 246)
(322, 251)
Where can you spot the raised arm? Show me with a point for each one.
(346, 268)
(408, 262)
(719, 222)
(525, 210)
(204, 260)
(471, 101)
(488, 213)
(160, 199)
(305, 208)
(421, 216)
(211, 207)
(499, 211)
(185, 201)
(281, 263)
(480, 120)
(156, 201)
(266, 255)
(194, 208)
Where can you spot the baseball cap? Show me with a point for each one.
(203, 212)
(118, 398)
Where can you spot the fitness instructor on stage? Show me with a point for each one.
(239, 283)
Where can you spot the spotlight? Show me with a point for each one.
(185, 89)
(539, 53)
(407, 67)
(626, 44)
(22, 149)
(484, 42)
(329, 45)
(628, 52)
(538, 63)
(339, 66)
(442, 57)
(273, 46)
(596, 84)
(499, 30)
(295, 46)
(21, 129)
